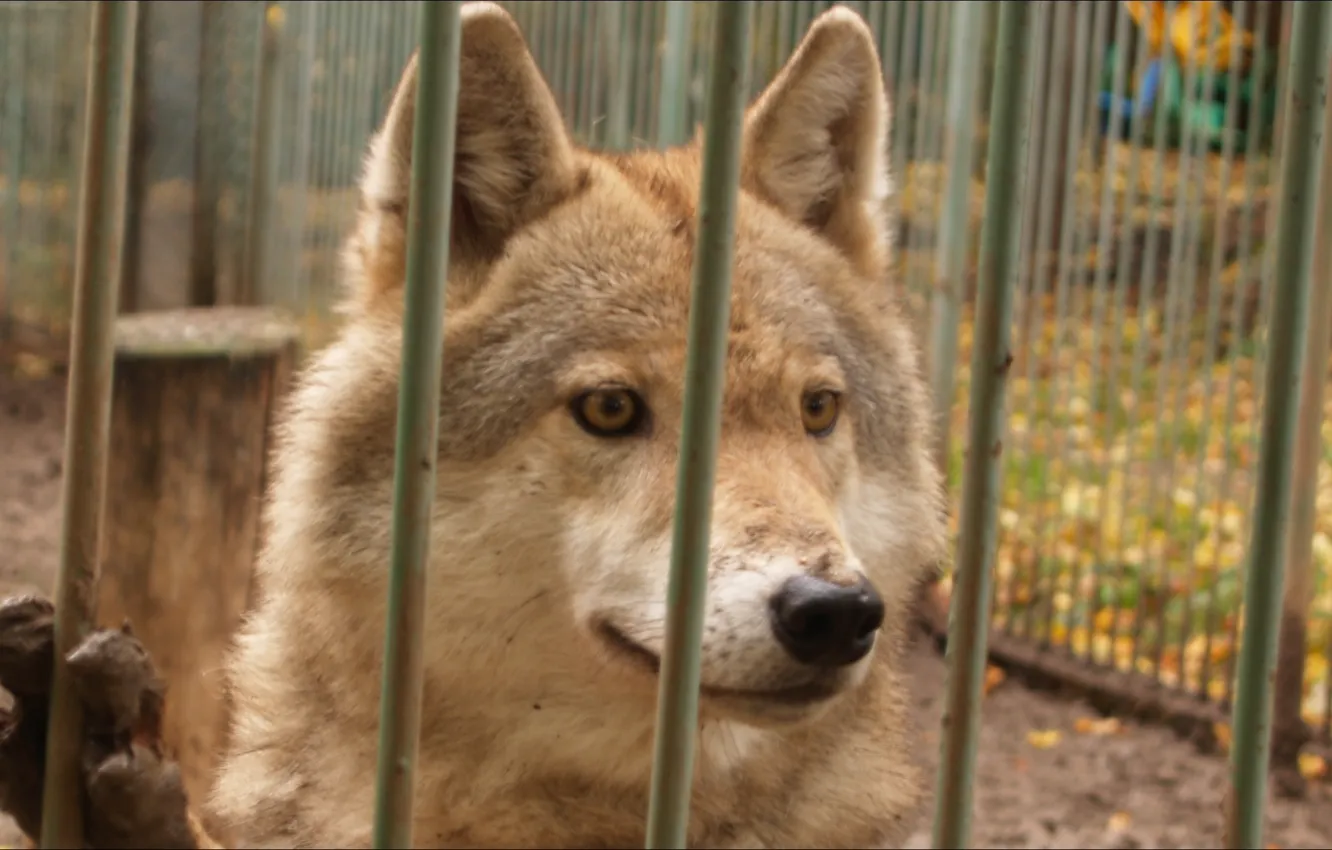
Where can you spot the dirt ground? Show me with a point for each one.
(1138, 788)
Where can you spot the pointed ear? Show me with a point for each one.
(816, 140)
(514, 159)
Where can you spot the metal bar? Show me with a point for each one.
(1266, 563)
(1067, 294)
(955, 220)
(263, 162)
(16, 96)
(1221, 216)
(990, 359)
(415, 467)
(1019, 587)
(671, 102)
(99, 243)
(1256, 269)
(1051, 84)
(1146, 295)
(1289, 732)
(1180, 279)
(709, 326)
(1096, 597)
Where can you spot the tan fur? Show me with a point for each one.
(571, 270)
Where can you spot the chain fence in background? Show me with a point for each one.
(1145, 275)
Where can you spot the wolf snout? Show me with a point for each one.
(823, 624)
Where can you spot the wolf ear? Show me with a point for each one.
(816, 140)
(514, 159)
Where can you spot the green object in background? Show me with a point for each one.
(1203, 115)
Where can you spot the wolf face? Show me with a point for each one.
(560, 415)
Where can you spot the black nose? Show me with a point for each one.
(826, 624)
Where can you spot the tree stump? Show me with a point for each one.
(193, 403)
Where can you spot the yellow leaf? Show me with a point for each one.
(1097, 726)
(31, 366)
(1105, 620)
(1043, 739)
(994, 677)
(1119, 822)
(1312, 766)
(1222, 732)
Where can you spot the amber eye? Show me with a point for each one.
(819, 412)
(609, 412)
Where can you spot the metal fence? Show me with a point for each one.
(1142, 301)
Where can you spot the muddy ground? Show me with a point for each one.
(1138, 788)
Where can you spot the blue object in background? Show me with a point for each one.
(1140, 103)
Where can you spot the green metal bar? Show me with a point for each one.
(709, 327)
(1289, 728)
(263, 162)
(1054, 35)
(955, 222)
(428, 224)
(1097, 595)
(1221, 217)
(16, 95)
(98, 246)
(1067, 296)
(1147, 295)
(1297, 213)
(968, 625)
(901, 153)
(1028, 299)
(1256, 268)
(671, 102)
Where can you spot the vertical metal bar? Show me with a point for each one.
(1215, 293)
(263, 160)
(709, 327)
(98, 245)
(901, 152)
(1146, 294)
(1256, 268)
(1020, 587)
(1083, 582)
(671, 104)
(428, 224)
(16, 96)
(914, 201)
(955, 224)
(990, 359)
(1038, 267)
(1305, 101)
(1181, 277)
(1289, 731)
(1021, 584)
(1066, 293)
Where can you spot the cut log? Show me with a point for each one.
(193, 403)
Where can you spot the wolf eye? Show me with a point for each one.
(819, 412)
(609, 412)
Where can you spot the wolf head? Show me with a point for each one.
(561, 406)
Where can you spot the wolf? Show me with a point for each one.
(568, 292)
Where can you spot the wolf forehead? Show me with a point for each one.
(609, 270)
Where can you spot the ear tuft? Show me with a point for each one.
(816, 140)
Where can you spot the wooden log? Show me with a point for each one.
(193, 403)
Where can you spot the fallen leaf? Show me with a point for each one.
(994, 677)
(1098, 725)
(1043, 739)
(31, 366)
(1222, 733)
(1312, 766)
(1119, 822)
